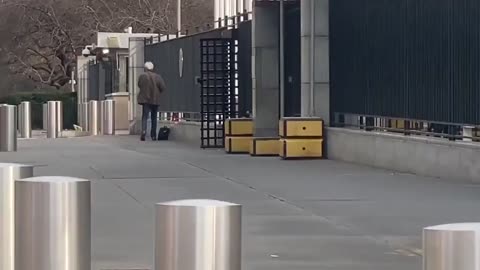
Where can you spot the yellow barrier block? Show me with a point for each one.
(398, 124)
(301, 148)
(264, 147)
(239, 127)
(300, 127)
(238, 145)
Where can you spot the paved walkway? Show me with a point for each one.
(299, 215)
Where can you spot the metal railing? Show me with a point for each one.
(180, 116)
(226, 22)
(407, 127)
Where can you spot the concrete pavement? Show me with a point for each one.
(298, 214)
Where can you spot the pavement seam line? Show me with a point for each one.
(332, 222)
(129, 194)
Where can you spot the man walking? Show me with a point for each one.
(151, 87)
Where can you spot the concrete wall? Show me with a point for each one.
(136, 63)
(185, 132)
(265, 68)
(320, 56)
(425, 156)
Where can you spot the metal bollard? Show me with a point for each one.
(198, 235)
(101, 117)
(8, 128)
(80, 115)
(25, 119)
(93, 117)
(451, 247)
(85, 116)
(109, 117)
(8, 174)
(45, 116)
(52, 130)
(59, 117)
(52, 224)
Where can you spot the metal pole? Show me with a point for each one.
(282, 59)
(52, 224)
(80, 115)
(45, 116)
(216, 12)
(312, 58)
(221, 8)
(52, 130)
(85, 116)
(8, 174)
(451, 247)
(198, 235)
(25, 119)
(8, 128)
(109, 117)
(179, 16)
(93, 117)
(102, 117)
(59, 117)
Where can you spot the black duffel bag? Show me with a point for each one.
(164, 133)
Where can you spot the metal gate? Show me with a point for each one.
(219, 88)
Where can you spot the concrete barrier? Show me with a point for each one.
(427, 156)
(186, 132)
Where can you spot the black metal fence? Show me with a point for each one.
(102, 79)
(179, 62)
(406, 59)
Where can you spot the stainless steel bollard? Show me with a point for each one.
(451, 247)
(80, 115)
(109, 117)
(93, 117)
(45, 116)
(85, 116)
(198, 235)
(59, 117)
(52, 224)
(52, 130)
(8, 174)
(25, 119)
(8, 128)
(101, 117)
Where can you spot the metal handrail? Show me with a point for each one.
(221, 22)
(407, 130)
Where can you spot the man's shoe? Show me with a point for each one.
(154, 138)
(142, 138)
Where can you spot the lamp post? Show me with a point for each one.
(179, 16)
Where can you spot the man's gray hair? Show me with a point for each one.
(149, 66)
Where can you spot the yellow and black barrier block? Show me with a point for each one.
(301, 148)
(238, 145)
(301, 138)
(265, 147)
(301, 127)
(238, 135)
(239, 127)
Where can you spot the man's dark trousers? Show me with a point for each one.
(153, 111)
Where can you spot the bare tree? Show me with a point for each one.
(46, 35)
(44, 38)
(157, 16)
